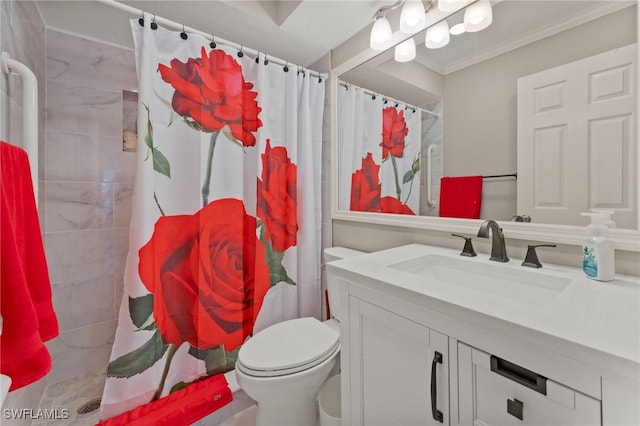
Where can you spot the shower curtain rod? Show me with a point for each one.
(369, 92)
(208, 36)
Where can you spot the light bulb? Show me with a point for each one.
(405, 51)
(437, 35)
(457, 29)
(412, 17)
(380, 34)
(478, 16)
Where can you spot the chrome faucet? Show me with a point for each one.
(498, 249)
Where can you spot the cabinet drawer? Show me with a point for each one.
(509, 395)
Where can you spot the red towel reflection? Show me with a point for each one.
(461, 196)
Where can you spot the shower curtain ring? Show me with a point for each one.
(154, 26)
(373, 97)
(241, 53)
(286, 67)
(141, 20)
(213, 42)
(319, 78)
(183, 34)
(258, 58)
(266, 61)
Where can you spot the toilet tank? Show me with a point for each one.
(331, 254)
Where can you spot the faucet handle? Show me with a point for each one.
(531, 259)
(468, 246)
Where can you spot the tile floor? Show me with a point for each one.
(71, 394)
(243, 418)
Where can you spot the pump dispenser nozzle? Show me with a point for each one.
(600, 217)
(610, 223)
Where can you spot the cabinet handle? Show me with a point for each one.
(437, 414)
(519, 374)
(515, 408)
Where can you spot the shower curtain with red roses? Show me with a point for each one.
(225, 224)
(379, 154)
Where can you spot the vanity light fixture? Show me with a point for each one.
(478, 16)
(380, 33)
(412, 17)
(381, 30)
(405, 51)
(437, 35)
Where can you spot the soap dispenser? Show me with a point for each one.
(598, 260)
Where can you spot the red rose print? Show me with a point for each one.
(277, 197)
(393, 205)
(365, 186)
(212, 92)
(208, 275)
(394, 130)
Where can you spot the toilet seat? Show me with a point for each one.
(288, 347)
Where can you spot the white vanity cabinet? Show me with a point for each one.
(399, 369)
(570, 358)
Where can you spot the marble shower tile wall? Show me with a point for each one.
(22, 35)
(89, 183)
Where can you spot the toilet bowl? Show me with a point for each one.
(284, 366)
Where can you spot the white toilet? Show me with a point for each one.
(283, 366)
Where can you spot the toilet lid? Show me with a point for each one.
(288, 347)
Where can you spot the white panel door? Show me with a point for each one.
(393, 363)
(577, 140)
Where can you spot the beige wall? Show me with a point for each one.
(483, 97)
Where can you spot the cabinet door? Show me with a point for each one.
(391, 364)
(496, 392)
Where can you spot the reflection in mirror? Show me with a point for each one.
(466, 99)
(380, 157)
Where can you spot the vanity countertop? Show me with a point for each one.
(589, 320)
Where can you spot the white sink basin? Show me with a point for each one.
(530, 287)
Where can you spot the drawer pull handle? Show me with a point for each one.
(437, 414)
(519, 374)
(515, 408)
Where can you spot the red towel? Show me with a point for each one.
(25, 302)
(180, 408)
(461, 196)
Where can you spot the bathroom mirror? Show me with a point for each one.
(474, 78)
